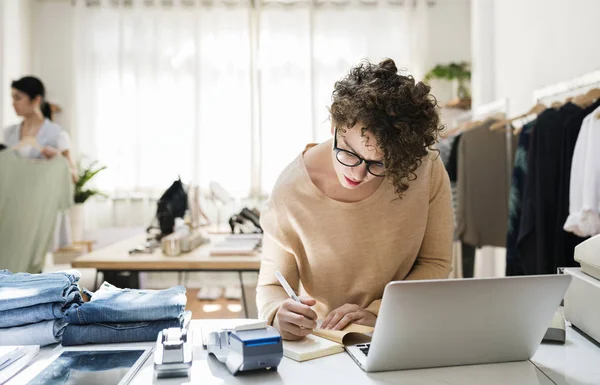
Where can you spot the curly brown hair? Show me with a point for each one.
(399, 112)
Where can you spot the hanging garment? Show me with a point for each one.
(565, 241)
(514, 264)
(444, 146)
(450, 159)
(584, 193)
(452, 164)
(483, 186)
(540, 244)
(449, 153)
(32, 193)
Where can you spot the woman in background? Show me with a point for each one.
(28, 95)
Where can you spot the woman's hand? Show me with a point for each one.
(74, 176)
(49, 152)
(348, 313)
(295, 320)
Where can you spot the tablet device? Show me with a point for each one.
(91, 366)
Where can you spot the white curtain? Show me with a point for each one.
(228, 93)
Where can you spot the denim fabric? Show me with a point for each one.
(127, 305)
(87, 367)
(32, 314)
(41, 333)
(108, 333)
(24, 289)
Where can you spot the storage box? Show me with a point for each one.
(581, 302)
(588, 255)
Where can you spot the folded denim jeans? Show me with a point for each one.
(109, 333)
(129, 305)
(24, 289)
(41, 333)
(36, 313)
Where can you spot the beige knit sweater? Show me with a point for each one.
(339, 253)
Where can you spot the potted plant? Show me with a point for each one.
(458, 73)
(82, 194)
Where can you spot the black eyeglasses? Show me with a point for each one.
(350, 159)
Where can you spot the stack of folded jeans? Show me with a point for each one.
(33, 306)
(116, 315)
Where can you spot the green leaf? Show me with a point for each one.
(85, 175)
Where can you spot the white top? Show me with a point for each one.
(584, 193)
(50, 134)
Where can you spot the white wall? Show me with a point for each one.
(448, 39)
(483, 69)
(542, 42)
(52, 49)
(15, 36)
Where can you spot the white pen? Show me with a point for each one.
(286, 287)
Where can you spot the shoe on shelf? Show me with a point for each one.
(209, 293)
(233, 292)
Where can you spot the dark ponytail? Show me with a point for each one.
(46, 110)
(33, 87)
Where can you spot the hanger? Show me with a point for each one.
(535, 110)
(591, 96)
(28, 140)
(585, 100)
(470, 125)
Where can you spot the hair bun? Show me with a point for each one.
(388, 64)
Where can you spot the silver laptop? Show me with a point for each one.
(424, 324)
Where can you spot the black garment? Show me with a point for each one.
(2, 147)
(537, 241)
(452, 165)
(514, 264)
(468, 260)
(566, 241)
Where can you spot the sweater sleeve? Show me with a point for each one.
(276, 256)
(435, 256)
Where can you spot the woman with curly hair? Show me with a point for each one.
(369, 206)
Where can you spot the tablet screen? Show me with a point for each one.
(106, 367)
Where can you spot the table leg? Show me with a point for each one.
(244, 303)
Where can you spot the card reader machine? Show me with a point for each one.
(173, 353)
(246, 350)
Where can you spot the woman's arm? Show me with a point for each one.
(72, 167)
(269, 293)
(435, 257)
(64, 146)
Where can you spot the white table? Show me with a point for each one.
(575, 363)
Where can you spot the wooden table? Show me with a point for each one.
(116, 257)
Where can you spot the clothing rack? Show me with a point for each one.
(565, 87)
(499, 106)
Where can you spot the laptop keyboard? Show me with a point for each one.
(364, 348)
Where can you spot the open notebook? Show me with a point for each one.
(326, 342)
